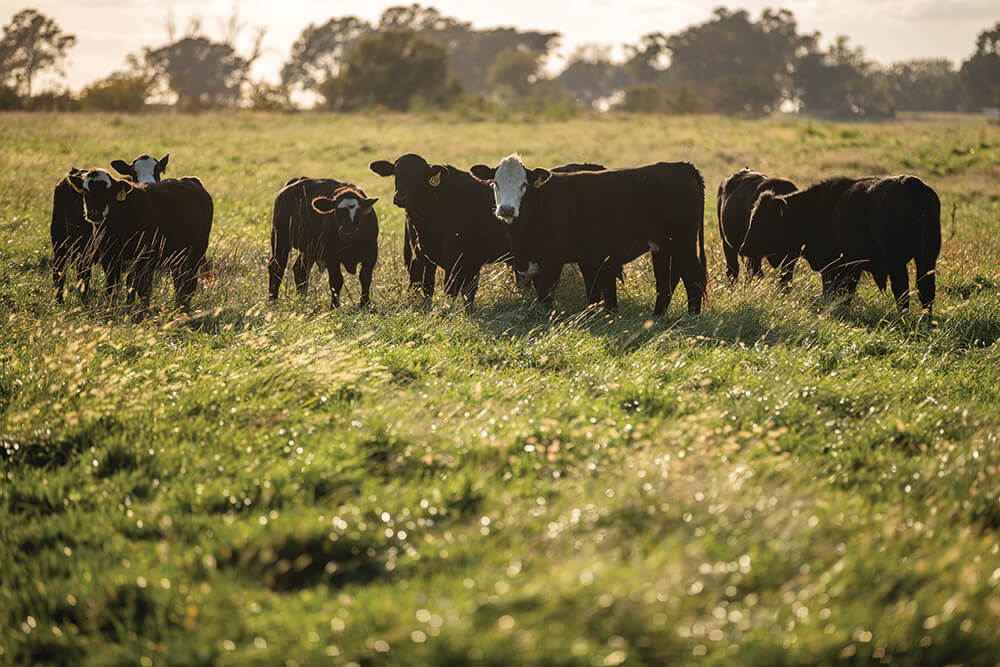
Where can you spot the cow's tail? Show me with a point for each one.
(929, 229)
(702, 258)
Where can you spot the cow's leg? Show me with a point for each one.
(754, 272)
(280, 247)
(899, 278)
(185, 275)
(365, 277)
(606, 279)
(845, 284)
(112, 281)
(590, 284)
(695, 281)
(545, 283)
(786, 270)
(470, 285)
(60, 261)
(732, 263)
(336, 279)
(666, 275)
(926, 283)
(84, 269)
(301, 267)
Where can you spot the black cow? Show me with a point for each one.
(72, 236)
(348, 237)
(846, 226)
(141, 227)
(143, 169)
(737, 195)
(449, 224)
(605, 219)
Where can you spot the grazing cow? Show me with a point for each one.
(143, 169)
(846, 226)
(72, 236)
(348, 237)
(605, 219)
(141, 227)
(737, 195)
(448, 223)
(317, 237)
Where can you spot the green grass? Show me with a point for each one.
(765, 483)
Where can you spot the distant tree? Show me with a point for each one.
(923, 85)
(841, 82)
(120, 91)
(591, 76)
(32, 43)
(390, 68)
(319, 51)
(647, 61)
(980, 74)
(513, 73)
(201, 72)
(264, 96)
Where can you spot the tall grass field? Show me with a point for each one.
(281, 484)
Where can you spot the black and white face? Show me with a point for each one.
(144, 169)
(510, 181)
(345, 213)
(100, 191)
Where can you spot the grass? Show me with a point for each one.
(282, 484)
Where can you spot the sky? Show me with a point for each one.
(889, 30)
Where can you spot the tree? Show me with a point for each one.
(923, 85)
(120, 91)
(201, 72)
(390, 68)
(980, 74)
(512, 73)
(646, 61)
(591, 76)
(32, 43)
(319, 51)
(841, 82)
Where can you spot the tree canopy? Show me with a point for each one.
(32, 43)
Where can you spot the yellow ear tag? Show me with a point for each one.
(368, 210)
(435, 180)
(781, 213)
(539, 182)
(121, 195)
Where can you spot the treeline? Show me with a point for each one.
(414, 57)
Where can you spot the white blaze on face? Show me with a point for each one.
(98, 176)
(351, 206)
(145, 169)
(509, 185)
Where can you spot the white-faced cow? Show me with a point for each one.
(141, 227)
(847, 226)
(605, 219)
(333, 230)
(449, 224)
(143, 169)
(72, 236)
(737, 195)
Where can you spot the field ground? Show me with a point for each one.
(264, 483)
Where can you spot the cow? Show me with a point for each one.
(331, 230)
(141, 227)
(845, 226)
(737, 195)
(72, 236)
(449, 224)
(143, 169)
(605, 219)
(295, 223)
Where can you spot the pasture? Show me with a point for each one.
(278, 483)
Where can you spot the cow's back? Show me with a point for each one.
(180, 211)
(293, 207)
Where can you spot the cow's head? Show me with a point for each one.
(770, 231)
(144, 169)
(510, 181)
(345, 209)
(415, 179)
(101, 191)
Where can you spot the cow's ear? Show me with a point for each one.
(161, 166)
(382, 168)
(782, 206)
(367, 205)
(483, 172)
(123, 168)
(75, 179)
(436, 175)
(124, 188)
(539, 177)
(324, 205)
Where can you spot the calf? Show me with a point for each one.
(72, 236)
(141, 227)
(449, 224)
(605, 219)
(143, 169)
(348, 237)
(737, 195)
(846, 226)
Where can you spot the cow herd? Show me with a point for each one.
(535, 219)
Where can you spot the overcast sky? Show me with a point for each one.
(889, 30)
